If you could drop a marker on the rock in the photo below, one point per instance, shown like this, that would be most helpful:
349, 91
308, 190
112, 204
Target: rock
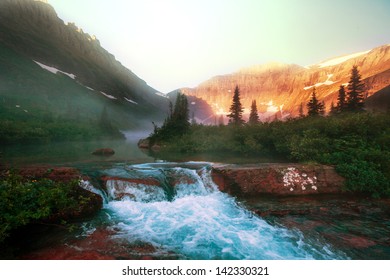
104, 152
277, 179
118, 188
143, 181
144, 143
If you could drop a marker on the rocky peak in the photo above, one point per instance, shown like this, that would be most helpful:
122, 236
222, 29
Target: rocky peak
280, 89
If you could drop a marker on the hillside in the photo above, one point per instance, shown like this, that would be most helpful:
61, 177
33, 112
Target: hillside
281, 88
47, 65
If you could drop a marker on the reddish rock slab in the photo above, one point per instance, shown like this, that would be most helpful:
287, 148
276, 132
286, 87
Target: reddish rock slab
144, 143
277, 179
352, 241
103, 152
143, 181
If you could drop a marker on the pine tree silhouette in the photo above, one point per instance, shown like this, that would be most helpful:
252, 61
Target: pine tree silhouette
341, 100
355, 99
236, 110
314, 106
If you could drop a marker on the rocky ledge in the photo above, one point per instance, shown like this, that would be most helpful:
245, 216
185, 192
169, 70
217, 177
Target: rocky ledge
277, 179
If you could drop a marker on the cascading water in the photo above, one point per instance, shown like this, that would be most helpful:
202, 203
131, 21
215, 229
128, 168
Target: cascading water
180, 210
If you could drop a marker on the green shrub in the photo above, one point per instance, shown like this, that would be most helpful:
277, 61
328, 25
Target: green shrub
27, 201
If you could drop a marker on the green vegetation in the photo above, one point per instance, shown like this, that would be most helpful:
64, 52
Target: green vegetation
25, 201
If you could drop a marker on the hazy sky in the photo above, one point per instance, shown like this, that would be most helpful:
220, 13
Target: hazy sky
177, 43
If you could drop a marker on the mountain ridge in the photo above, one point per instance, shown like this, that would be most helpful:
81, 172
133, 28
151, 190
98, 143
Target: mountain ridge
282, 89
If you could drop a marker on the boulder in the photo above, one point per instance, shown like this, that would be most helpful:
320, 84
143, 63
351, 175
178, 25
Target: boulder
277, 179
104, 152
144, 143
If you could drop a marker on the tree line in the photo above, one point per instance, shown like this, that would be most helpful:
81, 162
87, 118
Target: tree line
347, 101
177, 122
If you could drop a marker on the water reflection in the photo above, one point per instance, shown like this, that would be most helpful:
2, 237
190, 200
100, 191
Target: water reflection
71, 152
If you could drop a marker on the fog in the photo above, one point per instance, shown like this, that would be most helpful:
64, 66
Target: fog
133, 136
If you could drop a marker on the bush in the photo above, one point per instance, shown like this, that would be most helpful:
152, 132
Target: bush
26, 201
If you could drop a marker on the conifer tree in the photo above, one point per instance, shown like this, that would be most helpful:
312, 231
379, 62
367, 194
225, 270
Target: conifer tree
314, 106
355, 102
341, 100
254, 116
236, 110
177, 122
180, 115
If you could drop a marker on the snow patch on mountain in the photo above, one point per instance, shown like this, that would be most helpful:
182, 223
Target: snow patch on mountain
131, 101
328, 82
107, 95
271, 107
338, 60
161, 94
55, 70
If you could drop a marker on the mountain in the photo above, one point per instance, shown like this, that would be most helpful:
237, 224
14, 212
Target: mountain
48, 65
279, 89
